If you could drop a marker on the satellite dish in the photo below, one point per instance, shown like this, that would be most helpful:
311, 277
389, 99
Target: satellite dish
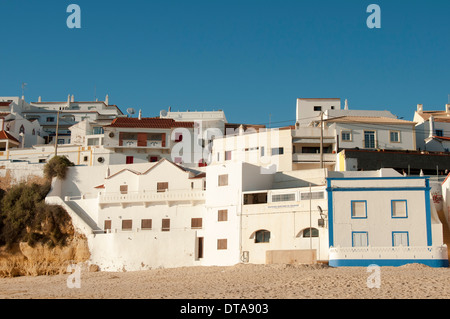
131, 111
163, 113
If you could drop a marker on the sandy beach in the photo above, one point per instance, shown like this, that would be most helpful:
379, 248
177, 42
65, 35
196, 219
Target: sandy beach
244, 281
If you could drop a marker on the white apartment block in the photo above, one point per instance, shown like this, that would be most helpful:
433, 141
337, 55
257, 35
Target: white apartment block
432, 129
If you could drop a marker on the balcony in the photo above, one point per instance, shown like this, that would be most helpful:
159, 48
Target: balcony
148, 197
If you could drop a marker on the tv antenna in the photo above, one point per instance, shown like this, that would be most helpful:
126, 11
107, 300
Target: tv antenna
131, 111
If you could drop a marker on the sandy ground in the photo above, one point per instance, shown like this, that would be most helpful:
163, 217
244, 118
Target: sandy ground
243, 281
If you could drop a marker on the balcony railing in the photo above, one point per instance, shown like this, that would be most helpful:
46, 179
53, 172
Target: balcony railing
148, 197
313, 157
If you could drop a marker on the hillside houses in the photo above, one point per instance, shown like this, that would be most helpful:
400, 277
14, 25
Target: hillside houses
189, 188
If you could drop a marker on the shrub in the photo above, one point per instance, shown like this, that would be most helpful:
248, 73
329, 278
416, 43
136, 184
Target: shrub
26, 217
57, 167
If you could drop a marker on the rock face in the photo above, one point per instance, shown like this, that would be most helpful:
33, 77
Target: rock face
43, 260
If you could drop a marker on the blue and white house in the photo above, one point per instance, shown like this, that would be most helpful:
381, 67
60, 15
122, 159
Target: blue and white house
386, 220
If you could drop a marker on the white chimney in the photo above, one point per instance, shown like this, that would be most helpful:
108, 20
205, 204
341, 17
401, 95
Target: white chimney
431, 123
447, 109
39, 99
107, 99
346, 105
140, 114
419, 108
72, 99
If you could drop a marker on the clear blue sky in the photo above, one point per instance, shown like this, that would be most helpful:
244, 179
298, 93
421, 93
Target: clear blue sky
250, 58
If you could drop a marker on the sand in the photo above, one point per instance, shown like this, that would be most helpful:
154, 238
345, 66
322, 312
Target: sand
244, 281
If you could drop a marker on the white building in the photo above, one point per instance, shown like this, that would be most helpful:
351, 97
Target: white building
138, 216
433, 129
389, 220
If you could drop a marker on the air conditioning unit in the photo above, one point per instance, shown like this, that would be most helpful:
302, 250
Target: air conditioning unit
321, 222
111, 134
100, 159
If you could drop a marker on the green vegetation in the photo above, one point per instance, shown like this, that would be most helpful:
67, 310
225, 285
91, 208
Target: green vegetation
25, 217
57, 167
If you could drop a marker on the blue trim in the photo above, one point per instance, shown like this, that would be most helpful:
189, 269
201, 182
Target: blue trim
360, 232
330, 214
351, 206
377, 189
392, 207
375, 178
400, 232
428, 213
387, 262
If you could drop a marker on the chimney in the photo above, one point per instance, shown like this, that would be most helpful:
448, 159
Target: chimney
72, 99
68, 99
346, 105
420, 108
140, 114
431, 120
39, 99
447, 109
107, 99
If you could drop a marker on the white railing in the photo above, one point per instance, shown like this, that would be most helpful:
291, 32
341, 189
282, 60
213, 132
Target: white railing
398, 252
151, 196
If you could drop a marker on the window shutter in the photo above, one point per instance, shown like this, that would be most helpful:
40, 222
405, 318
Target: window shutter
146, 224
162, 186
163, 140
107, 225
127, 224
142, 139
196, 223
222, 215
165, 224
221, 244
123, 189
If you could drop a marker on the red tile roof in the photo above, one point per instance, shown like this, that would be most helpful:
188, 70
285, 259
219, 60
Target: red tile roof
6, 136
148, 122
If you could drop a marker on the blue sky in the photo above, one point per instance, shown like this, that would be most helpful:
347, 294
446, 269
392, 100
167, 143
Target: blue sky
251, 58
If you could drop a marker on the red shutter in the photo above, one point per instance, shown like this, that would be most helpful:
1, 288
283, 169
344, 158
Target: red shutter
120, 138
163, 140
142, 139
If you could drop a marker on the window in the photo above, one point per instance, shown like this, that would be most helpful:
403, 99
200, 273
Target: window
360, 239
262, 150
399, 209
153, 159
222, 215
85, 158
127, 224
439, 132
255, 198
359, 208
346, 136
196, 223
221, 244
394, 136
262, 236
310, 232
400, 238
60, 141
107, 225
199, 247
277, 151
146, 224
312, 195
124, 189
129, 160
317, 108
50, 119
223, 180
228, 155
165, 224
283, 198
42, 160
369, 139
98, 130
162, 186
22, 129
93, 141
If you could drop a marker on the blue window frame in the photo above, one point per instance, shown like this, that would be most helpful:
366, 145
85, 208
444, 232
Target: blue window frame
400, 238
360, 239
399, 208
359, 209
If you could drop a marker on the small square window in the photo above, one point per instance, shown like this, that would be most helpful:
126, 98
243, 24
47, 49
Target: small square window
439, 132
399, 209
394, 136
359, 208
223, 180
221, 244
346, 136
146, 224
222, 215
277, 151
360, 239
317, 108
